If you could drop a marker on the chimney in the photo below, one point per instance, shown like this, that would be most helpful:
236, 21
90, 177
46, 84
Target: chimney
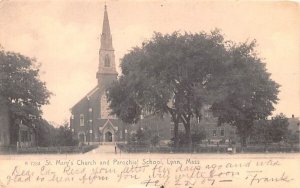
293, 116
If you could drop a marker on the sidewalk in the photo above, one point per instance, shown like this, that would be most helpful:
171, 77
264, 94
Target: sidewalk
107, 149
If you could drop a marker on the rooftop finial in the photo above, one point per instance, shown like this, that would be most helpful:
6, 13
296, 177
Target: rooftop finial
105, 5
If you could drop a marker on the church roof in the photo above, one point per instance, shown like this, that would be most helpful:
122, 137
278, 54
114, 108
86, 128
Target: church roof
92, 92
107, 124
87, 96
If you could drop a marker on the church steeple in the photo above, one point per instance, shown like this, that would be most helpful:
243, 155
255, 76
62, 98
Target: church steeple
107, 69
106, 39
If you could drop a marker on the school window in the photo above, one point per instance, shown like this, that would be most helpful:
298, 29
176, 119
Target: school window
222, 132
214, 132
81, 120
172, 130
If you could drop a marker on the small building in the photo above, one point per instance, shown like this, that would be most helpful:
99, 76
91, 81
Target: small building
4, 124
26, 137
294, 124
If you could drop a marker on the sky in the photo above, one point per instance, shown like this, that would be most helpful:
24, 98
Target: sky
64, 36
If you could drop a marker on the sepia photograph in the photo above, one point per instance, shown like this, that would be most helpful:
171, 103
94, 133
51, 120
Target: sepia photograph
152, 93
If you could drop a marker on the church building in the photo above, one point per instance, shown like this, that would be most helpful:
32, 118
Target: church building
91, 121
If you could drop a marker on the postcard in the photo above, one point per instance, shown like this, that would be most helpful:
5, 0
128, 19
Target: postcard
151, 93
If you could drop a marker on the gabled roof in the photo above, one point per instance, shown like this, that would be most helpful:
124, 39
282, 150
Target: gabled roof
88, 95
108, 122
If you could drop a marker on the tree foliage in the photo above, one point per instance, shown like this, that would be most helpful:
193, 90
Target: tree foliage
270, 131
64, 136
21, 87
178, 73
47, 135
249, 92
169, 74
144, 137
279, 126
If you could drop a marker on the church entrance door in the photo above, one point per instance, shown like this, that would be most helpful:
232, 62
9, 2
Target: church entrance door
108, 136
81, 137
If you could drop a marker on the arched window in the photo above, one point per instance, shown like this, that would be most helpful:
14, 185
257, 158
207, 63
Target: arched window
81, 119
106, 61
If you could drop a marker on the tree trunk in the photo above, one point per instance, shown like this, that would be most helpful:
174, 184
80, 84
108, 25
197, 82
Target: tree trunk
265, 146
5, 122
36, 142
176, 138
188, 135
14, 132
244, 130
243, 142
175, 118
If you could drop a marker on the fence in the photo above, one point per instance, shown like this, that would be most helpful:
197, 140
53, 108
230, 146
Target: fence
207, 149
8, 149
57, 149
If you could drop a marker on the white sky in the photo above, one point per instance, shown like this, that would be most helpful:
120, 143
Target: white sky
64, 37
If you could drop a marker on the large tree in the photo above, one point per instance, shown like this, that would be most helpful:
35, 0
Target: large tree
21, 89
179, 73
249, 92
172, 74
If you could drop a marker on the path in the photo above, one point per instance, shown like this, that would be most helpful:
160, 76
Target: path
106, 148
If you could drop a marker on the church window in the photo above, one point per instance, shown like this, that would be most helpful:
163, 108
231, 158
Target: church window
81, 120
106, 61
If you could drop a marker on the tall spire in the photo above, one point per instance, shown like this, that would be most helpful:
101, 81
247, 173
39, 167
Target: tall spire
107, 68
106, 39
